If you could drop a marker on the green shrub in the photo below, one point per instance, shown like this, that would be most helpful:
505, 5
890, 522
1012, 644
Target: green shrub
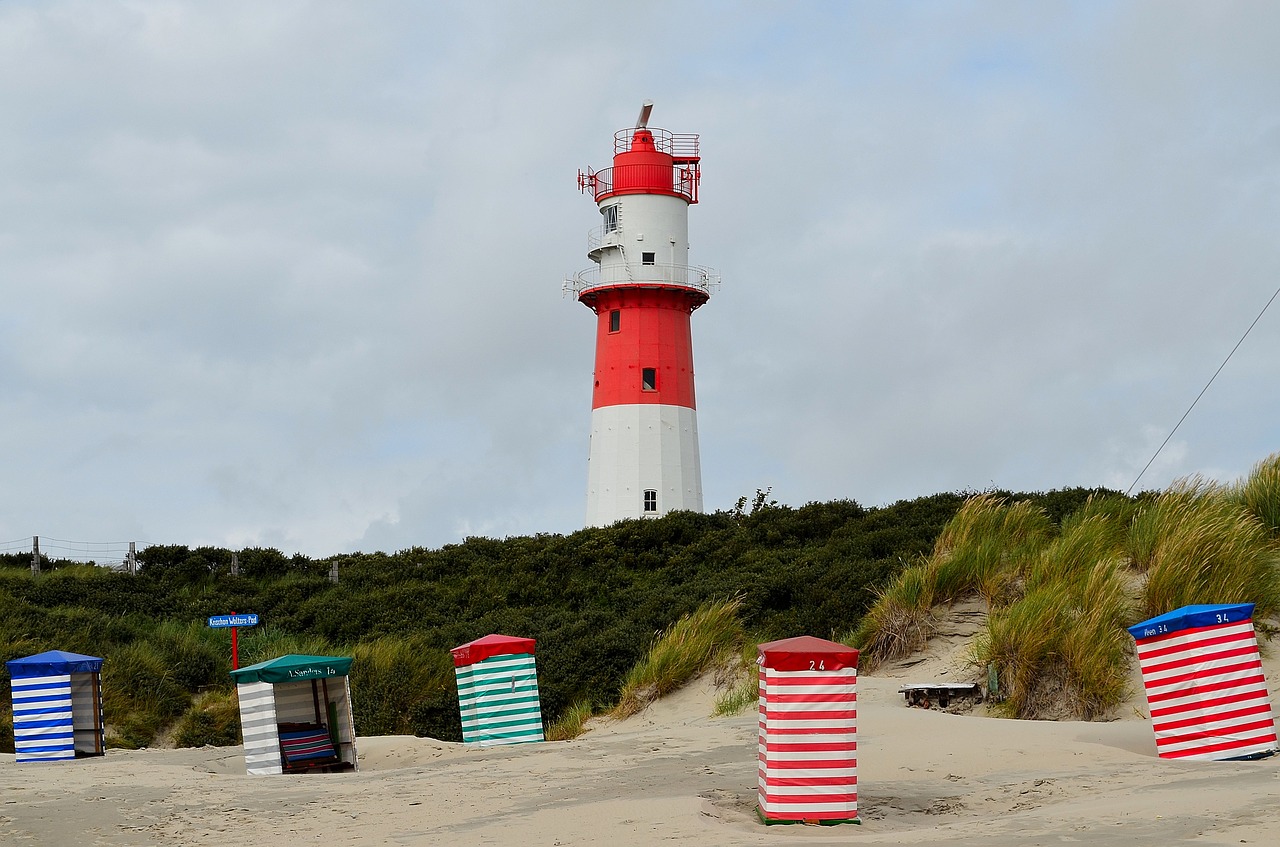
6, 730
213, 719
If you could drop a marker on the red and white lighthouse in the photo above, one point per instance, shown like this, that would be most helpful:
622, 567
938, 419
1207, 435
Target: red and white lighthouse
643, 460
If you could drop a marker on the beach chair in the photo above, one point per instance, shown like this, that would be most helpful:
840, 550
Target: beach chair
306, 747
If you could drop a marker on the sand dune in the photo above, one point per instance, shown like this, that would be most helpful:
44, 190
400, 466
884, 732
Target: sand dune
672, 773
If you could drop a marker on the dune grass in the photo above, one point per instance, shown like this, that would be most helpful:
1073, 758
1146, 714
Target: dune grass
1259, 492
260, 643
982, 551
213, 718
571, 723
901, 619
1208, 548
695, 643
403, 683
1059, 602
746, 690
984, 546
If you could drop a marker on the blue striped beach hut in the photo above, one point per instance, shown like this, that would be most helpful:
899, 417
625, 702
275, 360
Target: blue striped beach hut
57, 706
498, 691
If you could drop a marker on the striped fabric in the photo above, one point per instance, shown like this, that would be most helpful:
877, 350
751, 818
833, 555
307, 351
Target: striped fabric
258, 727
499, 701
1205, 688
42, 719
301, 745
808, 745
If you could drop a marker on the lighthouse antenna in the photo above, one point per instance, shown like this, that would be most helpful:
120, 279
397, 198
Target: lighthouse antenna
645, 108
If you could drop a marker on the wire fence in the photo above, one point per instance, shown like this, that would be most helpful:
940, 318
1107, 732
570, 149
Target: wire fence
113, 555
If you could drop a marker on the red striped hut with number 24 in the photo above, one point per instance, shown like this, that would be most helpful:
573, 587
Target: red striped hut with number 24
808, 732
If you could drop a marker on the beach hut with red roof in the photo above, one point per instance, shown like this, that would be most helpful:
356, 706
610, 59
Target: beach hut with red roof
808, 732
498, 691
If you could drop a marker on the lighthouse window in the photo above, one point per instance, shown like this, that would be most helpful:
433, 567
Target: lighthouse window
615, 320
649, 379
650, 500
610, 217
647, 258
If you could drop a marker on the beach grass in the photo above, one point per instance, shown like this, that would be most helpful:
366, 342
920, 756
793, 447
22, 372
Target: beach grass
695, 643
1210, 549
214, 718
741, 682
985, 544
982, 550
571, 723
1259, 492
901, 619
403, 684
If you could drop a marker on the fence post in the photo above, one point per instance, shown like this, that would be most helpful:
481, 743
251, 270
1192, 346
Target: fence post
35, 555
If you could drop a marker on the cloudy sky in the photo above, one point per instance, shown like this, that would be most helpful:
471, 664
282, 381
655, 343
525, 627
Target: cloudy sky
289, 274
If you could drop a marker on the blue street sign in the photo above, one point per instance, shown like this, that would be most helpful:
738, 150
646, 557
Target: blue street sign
233, 620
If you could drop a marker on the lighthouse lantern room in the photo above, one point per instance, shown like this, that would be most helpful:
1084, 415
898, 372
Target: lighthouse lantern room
643, 460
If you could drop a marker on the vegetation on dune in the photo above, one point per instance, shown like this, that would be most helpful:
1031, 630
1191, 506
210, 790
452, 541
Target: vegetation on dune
1060, 592
592, 599
693, 645
1061, 572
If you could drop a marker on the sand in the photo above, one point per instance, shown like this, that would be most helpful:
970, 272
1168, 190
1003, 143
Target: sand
673, 773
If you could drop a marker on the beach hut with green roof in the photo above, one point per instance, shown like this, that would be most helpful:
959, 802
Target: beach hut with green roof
296, 716
498, 691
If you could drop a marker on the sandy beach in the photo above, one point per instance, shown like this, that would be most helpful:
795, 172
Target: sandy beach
676, 773
673, 773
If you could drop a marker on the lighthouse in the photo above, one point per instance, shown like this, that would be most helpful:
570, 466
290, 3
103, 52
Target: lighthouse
643, 459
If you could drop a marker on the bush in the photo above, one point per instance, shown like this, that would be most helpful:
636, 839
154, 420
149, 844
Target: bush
213, 719
6, 731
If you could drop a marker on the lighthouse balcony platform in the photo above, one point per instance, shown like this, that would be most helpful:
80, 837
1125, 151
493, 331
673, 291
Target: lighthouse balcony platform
693, 277
600, 239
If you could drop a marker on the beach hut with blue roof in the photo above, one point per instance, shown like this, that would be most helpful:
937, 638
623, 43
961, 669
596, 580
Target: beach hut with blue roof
1205, 687
57, 706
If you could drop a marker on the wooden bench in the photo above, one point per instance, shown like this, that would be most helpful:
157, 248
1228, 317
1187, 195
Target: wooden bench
929, 694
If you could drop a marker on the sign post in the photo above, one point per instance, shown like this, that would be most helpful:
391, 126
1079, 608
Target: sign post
233, 621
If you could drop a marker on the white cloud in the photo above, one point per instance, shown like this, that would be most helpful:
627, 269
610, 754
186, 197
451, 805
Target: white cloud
288, 274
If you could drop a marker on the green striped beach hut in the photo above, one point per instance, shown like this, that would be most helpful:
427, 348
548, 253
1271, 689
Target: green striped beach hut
498, 691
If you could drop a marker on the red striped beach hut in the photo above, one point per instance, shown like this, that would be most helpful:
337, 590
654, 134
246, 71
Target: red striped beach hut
808, 732
1205, 689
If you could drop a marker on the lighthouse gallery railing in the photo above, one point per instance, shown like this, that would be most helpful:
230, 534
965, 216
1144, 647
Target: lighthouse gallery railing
701, 278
